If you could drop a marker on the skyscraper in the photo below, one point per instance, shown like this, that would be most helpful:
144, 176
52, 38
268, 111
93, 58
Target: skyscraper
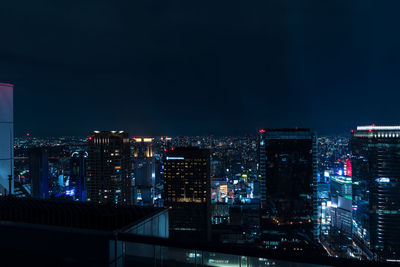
6, 138
288, 177
78, 174
187, 192
144, 168
376, 188
341, 207
108, 171
39, 172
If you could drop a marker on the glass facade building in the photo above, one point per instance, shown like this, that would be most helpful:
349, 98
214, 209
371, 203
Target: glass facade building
78, 174
144, 169
108, 167
187, 192
376, 188
288, 176
39, 172
341, 203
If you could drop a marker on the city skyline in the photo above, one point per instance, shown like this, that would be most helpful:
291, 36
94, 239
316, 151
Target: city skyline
211, 133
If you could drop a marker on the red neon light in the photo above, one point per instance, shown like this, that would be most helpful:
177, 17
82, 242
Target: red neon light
349, 168
90, 138
262, 131
28, 134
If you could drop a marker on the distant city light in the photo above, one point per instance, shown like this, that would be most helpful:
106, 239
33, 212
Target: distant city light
70, 192
175, 158
383, 180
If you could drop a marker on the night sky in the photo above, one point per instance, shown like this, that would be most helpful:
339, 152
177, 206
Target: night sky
200, 67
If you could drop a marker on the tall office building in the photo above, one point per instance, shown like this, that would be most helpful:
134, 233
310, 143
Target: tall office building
144, 165
6, 138
39, 172
288, 177
341, 203
144, 169
77, 175
108, 167
187, 192
376, 188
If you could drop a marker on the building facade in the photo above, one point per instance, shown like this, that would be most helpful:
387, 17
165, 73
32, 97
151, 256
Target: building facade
376, 188
341, 203
144, 169
288, 163
39, 172
108, 167
6, 138
187, 192
78, 175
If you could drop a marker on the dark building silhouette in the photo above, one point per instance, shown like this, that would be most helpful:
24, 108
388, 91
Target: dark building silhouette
78, 175
37, 232
288, 179
376, 188
108, 171
39, 172
69, 233
187, 192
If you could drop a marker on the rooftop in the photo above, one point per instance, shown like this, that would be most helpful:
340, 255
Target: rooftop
83, 215
374, 127
7, 84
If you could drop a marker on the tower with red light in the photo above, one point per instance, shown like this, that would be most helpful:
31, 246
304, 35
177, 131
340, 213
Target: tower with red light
375, 171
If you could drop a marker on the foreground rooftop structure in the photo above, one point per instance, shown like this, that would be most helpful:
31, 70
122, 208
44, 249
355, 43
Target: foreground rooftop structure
58, 233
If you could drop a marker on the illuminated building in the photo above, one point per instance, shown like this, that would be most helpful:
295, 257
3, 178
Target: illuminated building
166, 144
187, 192
223, 192
39, 172
324, 214
348, 171
288, 177
108, 170
341, 186
6, 138
341, 203
376, 188
143, 147
144, 168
